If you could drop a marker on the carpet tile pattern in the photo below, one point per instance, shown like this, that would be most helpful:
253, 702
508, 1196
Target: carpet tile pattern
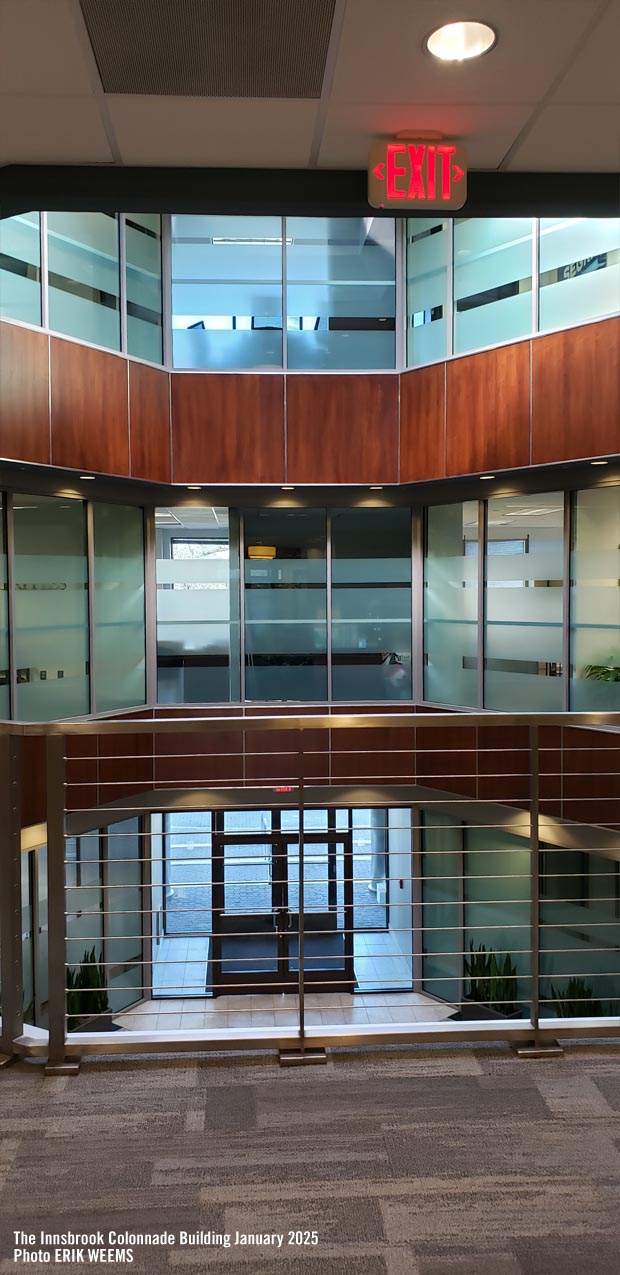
406, 1161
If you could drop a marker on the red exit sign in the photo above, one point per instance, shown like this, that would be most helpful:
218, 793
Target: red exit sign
417, 174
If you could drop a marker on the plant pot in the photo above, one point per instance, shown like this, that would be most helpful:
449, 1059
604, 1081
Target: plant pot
476, 1012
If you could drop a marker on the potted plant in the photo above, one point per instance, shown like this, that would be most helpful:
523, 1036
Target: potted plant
576, 1000
603, 672
87, 997
492, 984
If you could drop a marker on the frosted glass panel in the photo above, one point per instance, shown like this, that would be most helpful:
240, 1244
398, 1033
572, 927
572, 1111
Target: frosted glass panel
524, 570
20, 268
340, 292
226, 291
50, 608
579, 269
595, 600
451, 604
492, 281
371, 604
497, 904
198, 650
442, 868
285, 605
5, 709
84, 276
143, 277
427, 289
119, 607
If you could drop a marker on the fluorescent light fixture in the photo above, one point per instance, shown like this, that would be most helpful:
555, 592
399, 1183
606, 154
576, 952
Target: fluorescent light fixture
599, 462
485, 478
87, 478
194, 487
460, 41
376, 487
287, 488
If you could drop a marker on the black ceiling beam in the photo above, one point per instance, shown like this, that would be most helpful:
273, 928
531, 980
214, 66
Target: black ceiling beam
296, 192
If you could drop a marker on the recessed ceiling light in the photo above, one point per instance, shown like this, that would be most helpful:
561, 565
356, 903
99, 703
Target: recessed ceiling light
599, 462
376, 487
459, 41
87, 478
485, 478
288, 488
194, 487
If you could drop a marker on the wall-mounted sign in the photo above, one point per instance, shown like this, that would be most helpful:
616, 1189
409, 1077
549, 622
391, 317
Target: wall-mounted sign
417, 174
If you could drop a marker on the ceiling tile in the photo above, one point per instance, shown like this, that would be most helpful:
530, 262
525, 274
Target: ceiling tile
571, 139
486, 135
595, 75
381, 55
40, 50
52, 130
213, 132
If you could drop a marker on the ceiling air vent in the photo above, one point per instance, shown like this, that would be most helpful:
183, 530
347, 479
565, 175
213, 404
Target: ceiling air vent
210, 48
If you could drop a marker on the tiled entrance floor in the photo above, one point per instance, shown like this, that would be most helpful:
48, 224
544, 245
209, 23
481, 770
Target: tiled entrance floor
322, 1009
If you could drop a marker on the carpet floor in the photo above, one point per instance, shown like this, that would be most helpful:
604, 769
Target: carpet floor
403, 1161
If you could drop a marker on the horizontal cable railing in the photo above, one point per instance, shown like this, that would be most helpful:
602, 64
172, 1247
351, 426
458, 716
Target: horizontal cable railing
318, 879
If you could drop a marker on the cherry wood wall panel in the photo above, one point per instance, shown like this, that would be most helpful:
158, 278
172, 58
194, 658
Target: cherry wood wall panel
90, 409
24, 395
576, 393
488, 410
422, 424
149, 423
342, 429
227, 428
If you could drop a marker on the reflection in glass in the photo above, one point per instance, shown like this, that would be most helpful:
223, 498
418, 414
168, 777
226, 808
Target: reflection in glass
285, 605
20, 268
524, 573
84, 283
50, 608
226, 291
120, 657
341, 292
451, 604
428, 240
143, 281
595, 600
198, 630
371, 604
492, 280
579, 269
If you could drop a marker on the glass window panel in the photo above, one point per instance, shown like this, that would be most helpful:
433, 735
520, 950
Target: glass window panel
451, 604
523, 640
20, 268
226, 292
579, 269
497, 905
595, 601
371, 604
285, 605
492, 281
5, 701
144, 289
84, 901
28, 949
120, 657
50, 608
442, 867
42, 938
341, 292
428, 240
198, 627
123, 946
84, 276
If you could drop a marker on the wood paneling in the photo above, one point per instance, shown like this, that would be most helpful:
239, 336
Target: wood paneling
227, 428
488, 410
342, 429
33, 785
24, 395
90, 417
576, 393
149, 423
422, 424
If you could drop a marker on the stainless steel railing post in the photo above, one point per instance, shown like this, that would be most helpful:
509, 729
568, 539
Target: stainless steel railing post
302, 1024
535, 879
56, 957
10, 896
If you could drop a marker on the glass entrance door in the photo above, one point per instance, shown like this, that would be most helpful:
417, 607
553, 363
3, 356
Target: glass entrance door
256, 912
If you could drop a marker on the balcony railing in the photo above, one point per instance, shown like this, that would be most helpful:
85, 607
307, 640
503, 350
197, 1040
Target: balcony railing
295, 882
